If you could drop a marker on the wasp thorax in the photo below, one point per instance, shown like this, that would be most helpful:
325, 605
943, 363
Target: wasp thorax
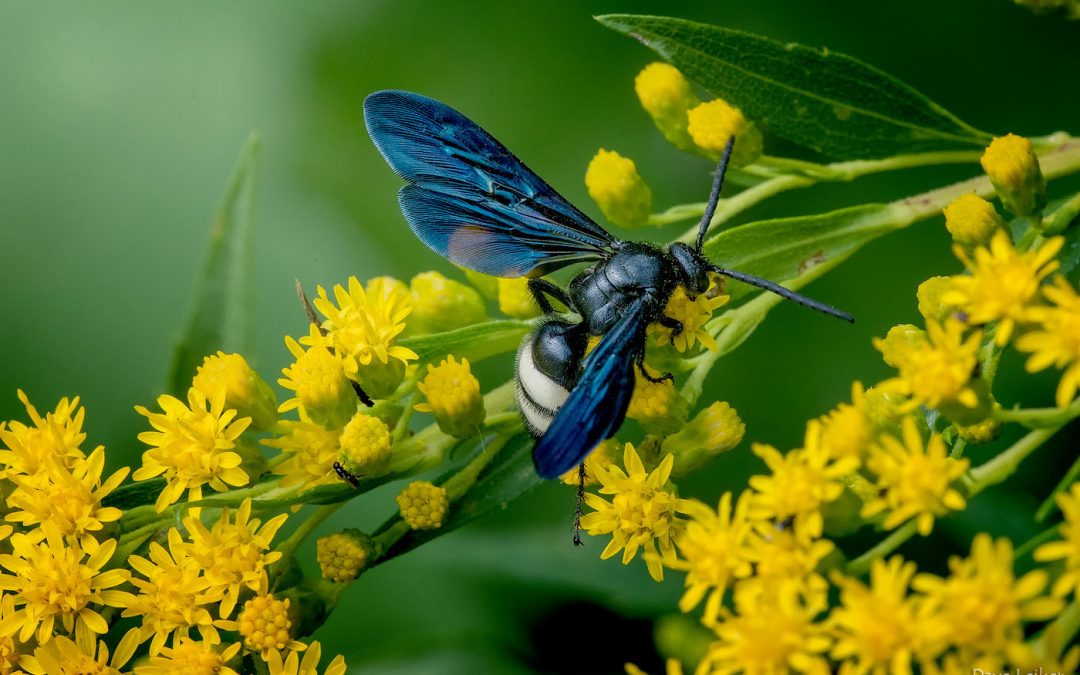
691, 267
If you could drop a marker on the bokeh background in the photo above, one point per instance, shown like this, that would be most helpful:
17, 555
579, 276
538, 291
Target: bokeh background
120, 122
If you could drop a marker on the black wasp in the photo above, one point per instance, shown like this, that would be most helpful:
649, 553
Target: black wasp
476, 204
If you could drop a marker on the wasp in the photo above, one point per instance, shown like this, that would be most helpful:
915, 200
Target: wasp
474, 203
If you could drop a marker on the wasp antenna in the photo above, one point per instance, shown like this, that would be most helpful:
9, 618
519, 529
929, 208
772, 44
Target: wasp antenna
714, 193
785, 293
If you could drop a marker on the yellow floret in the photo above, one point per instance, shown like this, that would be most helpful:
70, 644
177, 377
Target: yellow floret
666, 95
971, 220
1013, 168
516, 300
342, 556
264, 624
714, 430
442, 304
365, 446
712, 125
453, 396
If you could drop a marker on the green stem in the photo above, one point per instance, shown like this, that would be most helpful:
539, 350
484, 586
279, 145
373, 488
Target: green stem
845, 171
1038, 418
1058, 221
1049, 505
1033, 543
402, 426
729, 208
289, 546
460, 482
861, 565
677, 213
1005, 464
1051, 642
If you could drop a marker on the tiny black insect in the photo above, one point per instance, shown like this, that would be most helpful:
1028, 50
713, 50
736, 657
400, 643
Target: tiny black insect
473, 202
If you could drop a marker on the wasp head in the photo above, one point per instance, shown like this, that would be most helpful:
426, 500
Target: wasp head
691, 268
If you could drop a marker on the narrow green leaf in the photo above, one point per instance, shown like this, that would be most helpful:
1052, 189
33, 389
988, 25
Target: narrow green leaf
220, 316
817, 98
476, 342
787, 248
131, 495
508, 476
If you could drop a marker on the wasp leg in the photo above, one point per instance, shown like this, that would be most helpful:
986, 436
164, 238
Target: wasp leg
639, 360
579, 505
542, 289
674, 324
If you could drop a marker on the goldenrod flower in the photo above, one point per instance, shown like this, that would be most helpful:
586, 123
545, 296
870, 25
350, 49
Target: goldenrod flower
342, 556
308, 453
982, 603
914, 481
235, 553
972, 221
602, 455
641, 513
363, 325
656, 405
190, 657
929, 296
10, 657
264, 625
1013, 168
936, 371
245, 391
318, 377
68, 498
54, 581
1054, 339
62, 656
713, 431
172, 597
980, 432
615, 185
423, 505
666, 95
192, 447
782, 554
885, 408
712, 124
292, 665
900, 343
847, 430
1066, 549
365, 446
712, 551
441, 304
693, 314
453, 396
800, 483
770, 631
515, 298
1003, 282
59, 435
879, 628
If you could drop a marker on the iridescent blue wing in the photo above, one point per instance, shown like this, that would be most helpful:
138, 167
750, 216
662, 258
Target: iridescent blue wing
470, 199
597, 404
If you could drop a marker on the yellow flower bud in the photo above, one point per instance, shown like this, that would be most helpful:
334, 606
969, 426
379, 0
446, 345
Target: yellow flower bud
453, 396
980, 432
318, 377
365, 446
1013, 168
901, 340
616, 187
666, 96
712, 125
264, 624
972, 221
929, 296
245, 391
656, 405
441, 304
516, 300
381, 380
884, 408
601, 456
713, 431
485, 283
423, 505
342, 556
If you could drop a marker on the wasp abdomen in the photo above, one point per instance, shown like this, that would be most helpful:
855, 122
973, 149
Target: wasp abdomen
548, 363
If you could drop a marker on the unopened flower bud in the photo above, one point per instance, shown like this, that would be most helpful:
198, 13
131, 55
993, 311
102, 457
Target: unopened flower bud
441, 304
898, 344
1013, 168
365, 446
656, 405
972, 221
980, 432
485, 283
381, 380
453, 397
616, 187
423, 505
712, 125
342, 556
929, 295
666, 95
245, 391
516, 300
713, 431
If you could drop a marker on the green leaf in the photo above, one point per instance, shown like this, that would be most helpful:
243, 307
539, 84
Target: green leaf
220, 317
785, 249
817, 98
130, 495
476, 342
508, 476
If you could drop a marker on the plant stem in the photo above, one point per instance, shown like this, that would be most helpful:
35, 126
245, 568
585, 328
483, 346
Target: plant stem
1049, 644
1049, 504
1037, 418
1031, 544
289, 546
861, 565
1005, 464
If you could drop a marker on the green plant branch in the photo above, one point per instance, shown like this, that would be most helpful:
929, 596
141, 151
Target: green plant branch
1039, 418
1049, 505
1005, 464
306, 527
1033, 543
861, 565
1055, 637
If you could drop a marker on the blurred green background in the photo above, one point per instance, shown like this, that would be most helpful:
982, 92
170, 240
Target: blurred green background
121, 122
